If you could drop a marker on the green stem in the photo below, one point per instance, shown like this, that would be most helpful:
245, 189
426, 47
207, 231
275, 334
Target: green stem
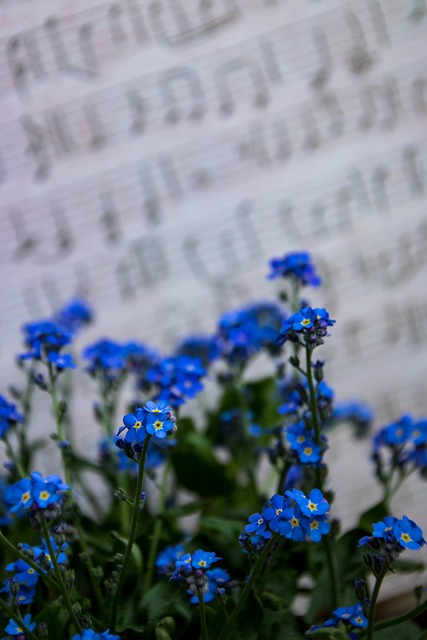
373, 603
91, 569
332, 571
132, 533
59, 426
250, 583
16, 552
202, 615
13, 457
157, 528
269, 565
313, 403
17, 618
58, 575
391, 622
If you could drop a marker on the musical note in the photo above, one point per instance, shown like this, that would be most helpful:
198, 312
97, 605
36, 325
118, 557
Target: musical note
379, 183
26, 240
226, 77
37, 145
247, 230
59, 50
324, 71
414, 171
419, 95
151, 203
62, 138
110, 217
359, 59
97, 129
187, 79
138, 108
115, 22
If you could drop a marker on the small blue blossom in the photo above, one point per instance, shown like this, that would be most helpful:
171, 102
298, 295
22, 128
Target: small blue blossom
158, 427
36, 492
293, 524
166, 559
408, 534
9, 416
74, 315
296, 266
314, 505
203, 559
13, 629
257, 525
308, 324
90, 634
135, 423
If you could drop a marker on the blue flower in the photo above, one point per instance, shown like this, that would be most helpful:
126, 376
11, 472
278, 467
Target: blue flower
297, 266
257, 525
273, 511
135, 423
384, 529
293, 525
44, 338
203, 559
9, 416
36, 492
314, 505
74, 315
106, 357
158, 427
205, 348
308, 324
166, 559
157, 407
61, 360
14, 629
90, 634
318, 526
408, 534
309, 452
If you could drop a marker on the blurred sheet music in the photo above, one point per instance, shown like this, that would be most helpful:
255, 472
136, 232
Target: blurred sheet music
155, 155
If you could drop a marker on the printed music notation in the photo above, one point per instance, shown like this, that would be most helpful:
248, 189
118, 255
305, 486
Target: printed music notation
148, 145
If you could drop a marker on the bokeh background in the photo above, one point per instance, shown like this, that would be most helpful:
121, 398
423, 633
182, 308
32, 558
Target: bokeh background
155, 154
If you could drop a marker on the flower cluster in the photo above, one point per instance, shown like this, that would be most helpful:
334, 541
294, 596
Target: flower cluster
293, 515
302, 442
176, 378
90, 634
44, 340
35, 493
244, 332
74, 315
9, 416
307, 325
391, 536
205, 348
22, 585
297, 266
350, 618
406, 443
193, 573
153, 419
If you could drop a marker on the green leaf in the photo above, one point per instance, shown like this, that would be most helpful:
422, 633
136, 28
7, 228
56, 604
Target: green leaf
372, 515
185, 509
408, 566
403, 631
165, 599
134, 568
328, 634
55, 617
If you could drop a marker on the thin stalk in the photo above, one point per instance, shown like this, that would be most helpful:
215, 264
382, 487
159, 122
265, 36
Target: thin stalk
23, 427
269, 566
59, 425
250, 583
332, 571
17, 618
91, 569
14, 551
202, 615
157, 528
13, 457
374, 598
391, 622
58, 575
313, 404
132, 533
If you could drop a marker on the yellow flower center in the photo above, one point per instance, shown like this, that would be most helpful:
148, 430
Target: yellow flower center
314, 524
305, 322
158, 425
278, 511
405, 537
312, 506
43, 495
202, 563
25, 496
294, 522
138, 424
30, 571
308, 451
300, 439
